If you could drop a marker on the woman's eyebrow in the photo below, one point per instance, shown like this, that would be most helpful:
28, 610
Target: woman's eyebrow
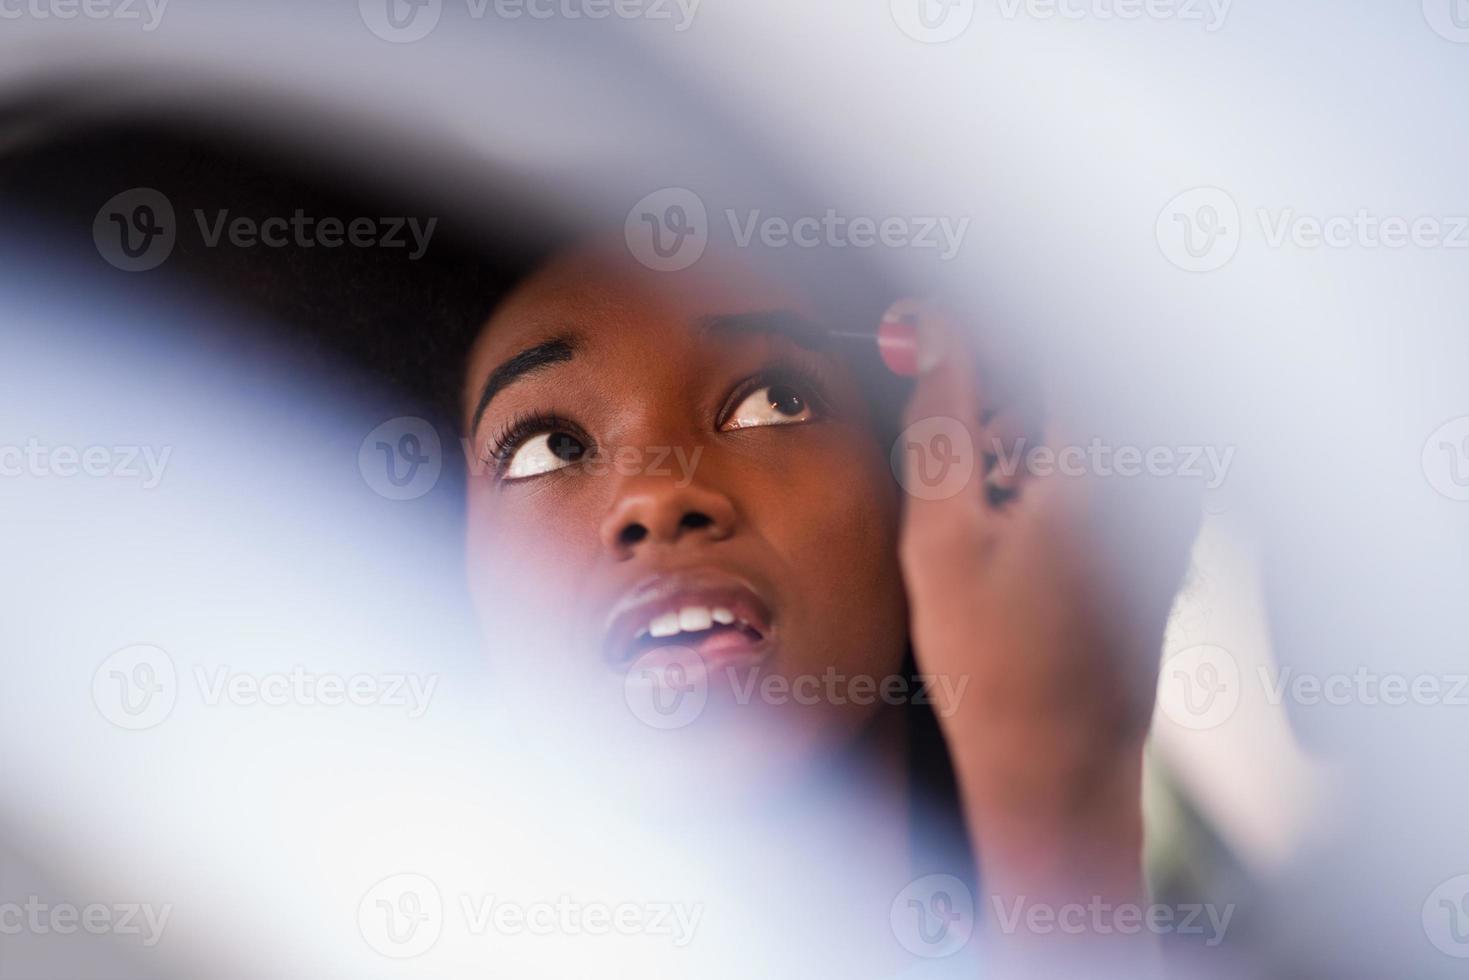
785, 323
544, 354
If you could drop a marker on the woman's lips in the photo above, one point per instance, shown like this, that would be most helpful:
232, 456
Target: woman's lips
715, 614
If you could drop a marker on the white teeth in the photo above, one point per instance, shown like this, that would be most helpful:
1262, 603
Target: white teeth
665, 625
689, 619
694, 619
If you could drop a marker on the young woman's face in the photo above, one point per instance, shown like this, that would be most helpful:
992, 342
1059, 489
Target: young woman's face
661, 470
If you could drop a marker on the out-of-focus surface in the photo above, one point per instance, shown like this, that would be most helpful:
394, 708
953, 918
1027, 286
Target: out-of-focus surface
1245, 224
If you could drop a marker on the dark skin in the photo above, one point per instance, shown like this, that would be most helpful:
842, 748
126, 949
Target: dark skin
652, 379
795, 496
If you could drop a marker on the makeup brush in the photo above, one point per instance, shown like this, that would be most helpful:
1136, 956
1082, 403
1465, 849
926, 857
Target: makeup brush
896, 338
897, 343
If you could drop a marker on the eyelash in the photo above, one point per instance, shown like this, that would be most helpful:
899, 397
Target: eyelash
521, 428
803, 377
515, 433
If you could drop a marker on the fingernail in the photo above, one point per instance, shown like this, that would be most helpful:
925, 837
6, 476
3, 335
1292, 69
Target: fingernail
911, 338
932, 346
897, 343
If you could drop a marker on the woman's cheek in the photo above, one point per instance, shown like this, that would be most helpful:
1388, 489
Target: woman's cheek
532, 554
852, 509
833, 516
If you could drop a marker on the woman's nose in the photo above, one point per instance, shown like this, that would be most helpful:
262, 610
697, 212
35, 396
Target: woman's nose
650, 512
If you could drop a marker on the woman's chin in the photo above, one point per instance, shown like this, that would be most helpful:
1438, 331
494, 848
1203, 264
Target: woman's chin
713, 753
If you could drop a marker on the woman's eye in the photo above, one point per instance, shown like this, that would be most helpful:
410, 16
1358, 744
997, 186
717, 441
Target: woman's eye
543, 453
777, 404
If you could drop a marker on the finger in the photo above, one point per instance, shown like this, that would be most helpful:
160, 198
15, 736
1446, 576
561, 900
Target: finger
1060, 485
940, 467
946, 359
1008, 437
